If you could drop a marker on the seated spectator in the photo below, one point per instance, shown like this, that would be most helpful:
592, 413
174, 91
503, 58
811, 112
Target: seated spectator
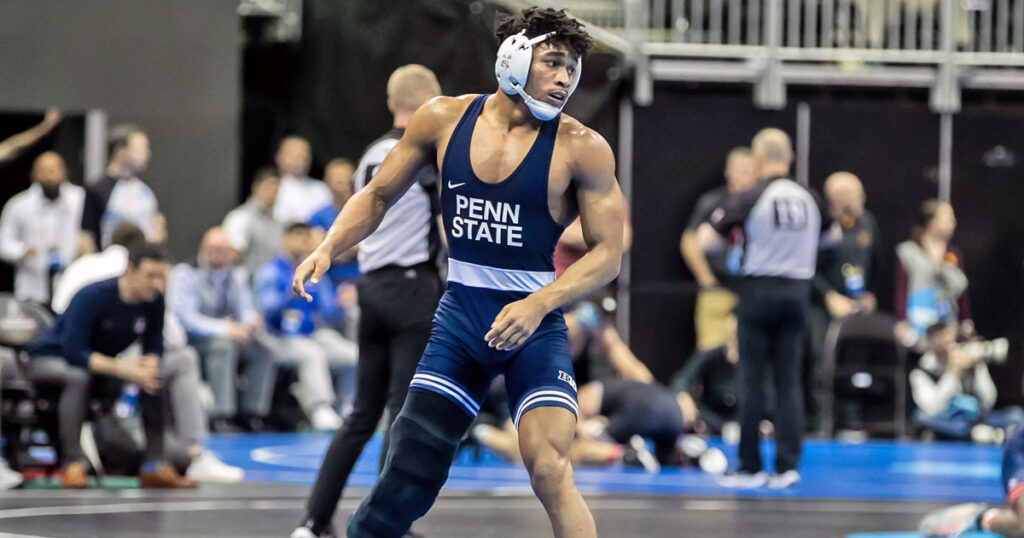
251, 227
179, 367
707, 389
344, 269
120, 195
79, 353
214, 303
844, 278
930, 282
300, 195
338, 177
598, 352
954, 391
39, 229
715, 301
301, 333
13, 145
9, 478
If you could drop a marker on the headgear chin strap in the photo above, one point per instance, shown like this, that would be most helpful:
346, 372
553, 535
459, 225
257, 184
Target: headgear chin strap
513, 67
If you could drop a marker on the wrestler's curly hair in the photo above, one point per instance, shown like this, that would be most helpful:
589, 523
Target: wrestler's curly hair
538, 21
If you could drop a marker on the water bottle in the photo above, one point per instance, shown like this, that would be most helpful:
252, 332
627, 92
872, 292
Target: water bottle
128, 401
291, 322
854, 278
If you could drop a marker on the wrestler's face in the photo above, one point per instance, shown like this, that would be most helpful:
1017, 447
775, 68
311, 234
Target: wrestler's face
552, 73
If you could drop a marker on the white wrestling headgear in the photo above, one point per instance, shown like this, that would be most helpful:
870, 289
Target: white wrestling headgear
513, 67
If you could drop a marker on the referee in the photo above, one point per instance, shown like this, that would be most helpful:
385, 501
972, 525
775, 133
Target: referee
398, 294
780, 224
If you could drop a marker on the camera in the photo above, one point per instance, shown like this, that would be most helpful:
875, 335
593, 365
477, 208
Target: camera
991, 351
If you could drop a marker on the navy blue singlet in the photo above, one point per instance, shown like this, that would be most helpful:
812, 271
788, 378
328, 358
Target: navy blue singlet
501, 240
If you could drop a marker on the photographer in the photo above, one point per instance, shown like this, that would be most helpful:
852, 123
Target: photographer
954, 391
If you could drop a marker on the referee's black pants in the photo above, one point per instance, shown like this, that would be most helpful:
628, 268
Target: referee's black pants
772, 317
397, 307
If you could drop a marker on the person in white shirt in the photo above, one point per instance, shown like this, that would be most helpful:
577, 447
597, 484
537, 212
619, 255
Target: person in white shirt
300, 196
179, 367
120, 195
954, 391
39, 228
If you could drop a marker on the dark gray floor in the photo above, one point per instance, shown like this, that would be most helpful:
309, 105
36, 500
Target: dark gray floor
271, 510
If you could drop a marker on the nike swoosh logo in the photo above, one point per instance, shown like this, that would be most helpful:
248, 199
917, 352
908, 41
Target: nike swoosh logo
455, 185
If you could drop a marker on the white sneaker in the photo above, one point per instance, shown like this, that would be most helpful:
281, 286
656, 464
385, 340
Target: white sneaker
208, 468
642, 455
784, 480
9, 478
743, 480
324, 418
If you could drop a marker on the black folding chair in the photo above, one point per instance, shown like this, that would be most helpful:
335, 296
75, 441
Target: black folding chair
864, 368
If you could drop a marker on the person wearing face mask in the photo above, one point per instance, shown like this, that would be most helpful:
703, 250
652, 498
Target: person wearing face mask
39, 227
120, 195
213, 301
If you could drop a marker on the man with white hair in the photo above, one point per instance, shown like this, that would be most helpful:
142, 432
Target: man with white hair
781, 222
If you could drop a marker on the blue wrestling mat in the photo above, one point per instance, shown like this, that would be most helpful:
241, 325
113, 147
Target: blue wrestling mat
876, 470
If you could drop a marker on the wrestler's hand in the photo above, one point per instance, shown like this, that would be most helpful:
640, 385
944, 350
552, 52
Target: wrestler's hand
312, 268
514, 324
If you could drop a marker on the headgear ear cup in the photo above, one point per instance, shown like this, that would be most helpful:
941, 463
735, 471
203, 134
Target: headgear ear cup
512, 68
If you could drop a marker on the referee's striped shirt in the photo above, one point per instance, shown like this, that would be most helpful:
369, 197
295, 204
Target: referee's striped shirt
781, 223
407, 235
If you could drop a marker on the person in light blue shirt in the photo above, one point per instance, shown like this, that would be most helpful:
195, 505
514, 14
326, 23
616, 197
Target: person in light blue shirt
214, 303
300, 332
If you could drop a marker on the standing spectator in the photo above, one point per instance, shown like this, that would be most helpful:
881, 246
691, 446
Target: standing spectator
844, 279
179, 366
300, 195
251, 227
715, 301
39, 229
339, 179
301, 332
120, 195
398, 294
781, 223
79, 352
214, 303
930, 282
953, 389
13, 145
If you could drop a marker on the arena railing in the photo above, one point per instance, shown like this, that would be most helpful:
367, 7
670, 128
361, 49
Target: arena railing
944, 45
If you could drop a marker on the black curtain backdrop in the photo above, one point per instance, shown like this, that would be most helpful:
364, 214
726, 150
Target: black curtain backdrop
889, 139
331, 87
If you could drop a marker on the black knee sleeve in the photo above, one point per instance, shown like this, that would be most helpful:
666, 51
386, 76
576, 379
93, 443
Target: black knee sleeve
424, 440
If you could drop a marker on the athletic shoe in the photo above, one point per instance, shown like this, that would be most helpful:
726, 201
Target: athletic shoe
784, 480
324, 418
312, 530
953, 521
635, 454
9, 478
208, 468
741, 480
